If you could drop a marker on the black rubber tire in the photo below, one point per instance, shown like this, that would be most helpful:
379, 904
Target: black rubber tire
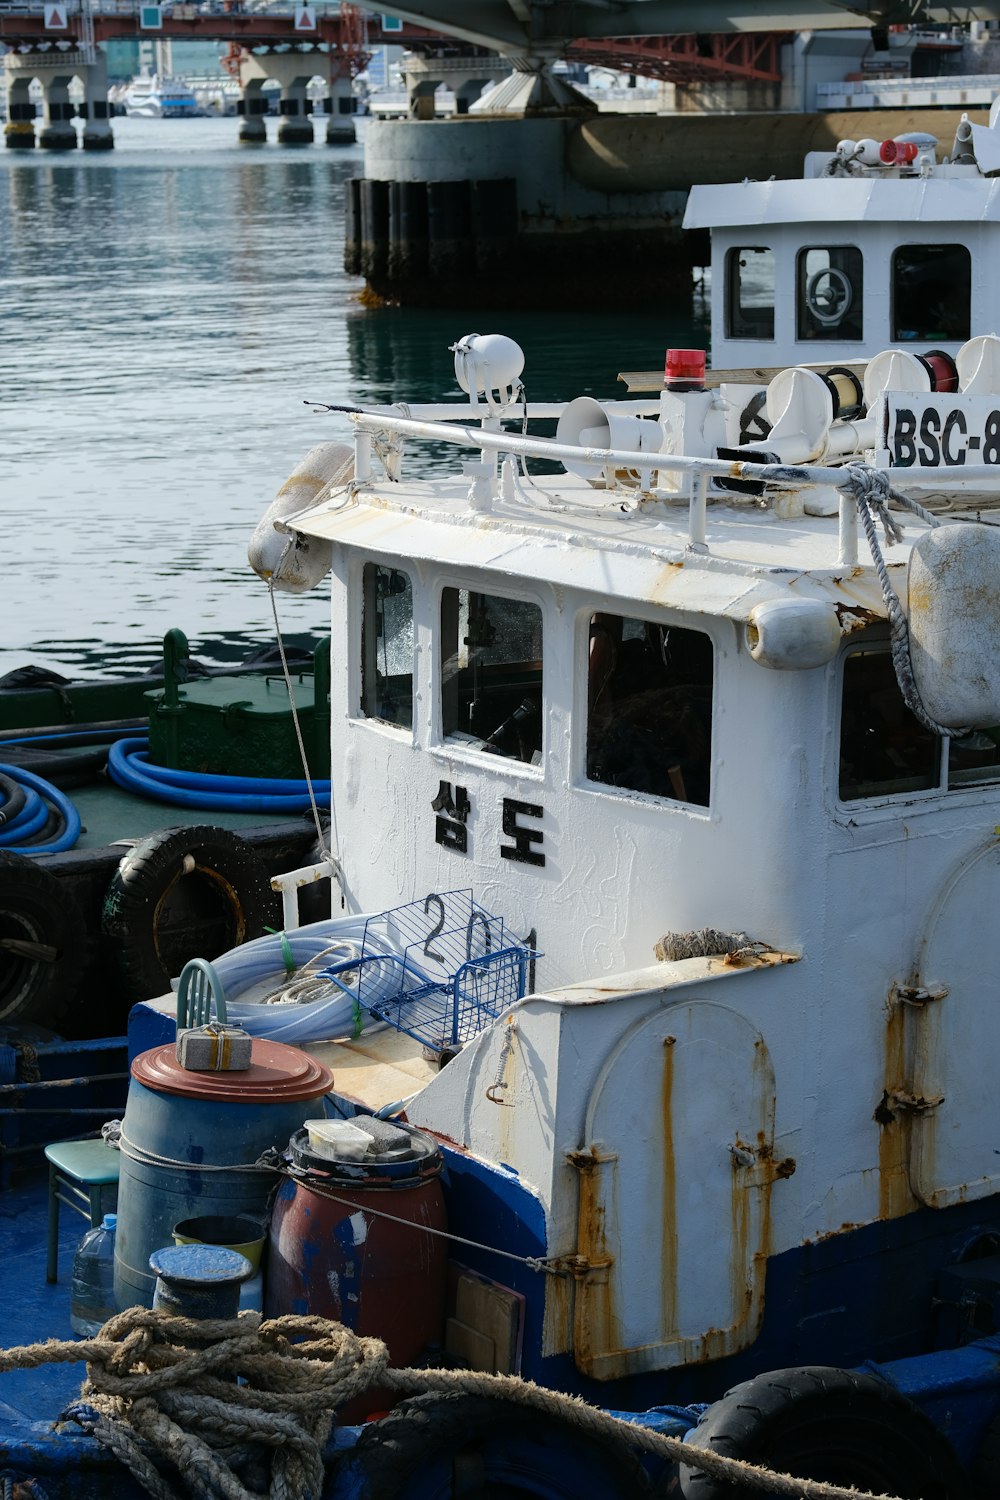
159, 910
818, 1422
37, 908
486, 1449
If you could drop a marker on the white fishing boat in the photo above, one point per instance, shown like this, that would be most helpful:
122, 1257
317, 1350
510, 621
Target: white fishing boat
155, 97
663, 854
881, 243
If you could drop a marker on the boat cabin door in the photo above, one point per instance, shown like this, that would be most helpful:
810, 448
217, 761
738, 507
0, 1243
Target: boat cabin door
674, 1189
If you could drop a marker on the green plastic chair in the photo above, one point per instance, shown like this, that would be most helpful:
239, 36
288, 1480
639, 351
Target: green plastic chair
84, 1176
198, 992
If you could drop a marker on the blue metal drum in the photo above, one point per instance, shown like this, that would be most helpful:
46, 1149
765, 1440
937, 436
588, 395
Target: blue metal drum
190, 1141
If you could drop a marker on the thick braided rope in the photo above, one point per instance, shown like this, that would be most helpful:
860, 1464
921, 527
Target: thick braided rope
151, 1395
148, 1395
871, 491
590, 1419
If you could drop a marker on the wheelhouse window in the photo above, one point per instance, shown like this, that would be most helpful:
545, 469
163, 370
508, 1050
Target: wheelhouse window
931, 293
491, 673
750, 293
829, 292
884, 749
387, 645
649, 718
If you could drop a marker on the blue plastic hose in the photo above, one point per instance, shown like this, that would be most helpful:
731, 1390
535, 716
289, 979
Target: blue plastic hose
34, 814
130, 767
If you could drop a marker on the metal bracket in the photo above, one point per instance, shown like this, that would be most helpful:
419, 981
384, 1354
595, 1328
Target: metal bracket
914, 1104
918, 994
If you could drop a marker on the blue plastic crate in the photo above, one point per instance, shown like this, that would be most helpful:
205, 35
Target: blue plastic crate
440, 969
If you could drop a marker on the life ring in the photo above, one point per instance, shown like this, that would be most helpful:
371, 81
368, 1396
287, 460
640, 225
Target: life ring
833, 307
42, 941
436, 1446
183, 893
818, 1422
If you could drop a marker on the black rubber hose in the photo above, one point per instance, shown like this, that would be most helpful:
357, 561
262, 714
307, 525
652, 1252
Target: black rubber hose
14, 798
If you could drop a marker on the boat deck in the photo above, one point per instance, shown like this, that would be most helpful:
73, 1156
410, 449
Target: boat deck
112, 815
31, 1309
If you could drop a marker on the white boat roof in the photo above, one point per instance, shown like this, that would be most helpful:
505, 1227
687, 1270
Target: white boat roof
826, 200
752, 556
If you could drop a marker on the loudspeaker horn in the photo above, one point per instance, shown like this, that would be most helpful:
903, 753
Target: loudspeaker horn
585, 423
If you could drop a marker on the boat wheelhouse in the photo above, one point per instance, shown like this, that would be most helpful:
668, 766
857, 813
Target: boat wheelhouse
880, 244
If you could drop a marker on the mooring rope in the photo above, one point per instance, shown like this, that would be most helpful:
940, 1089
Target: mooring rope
154, 1391
871, 491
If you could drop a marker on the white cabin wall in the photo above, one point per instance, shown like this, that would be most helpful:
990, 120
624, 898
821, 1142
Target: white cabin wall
620, 869
878, 242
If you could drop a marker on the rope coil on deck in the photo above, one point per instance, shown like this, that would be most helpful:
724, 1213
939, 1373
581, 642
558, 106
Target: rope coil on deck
154, 1391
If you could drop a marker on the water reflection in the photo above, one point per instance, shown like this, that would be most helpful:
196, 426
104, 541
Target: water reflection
168, 310
395, 351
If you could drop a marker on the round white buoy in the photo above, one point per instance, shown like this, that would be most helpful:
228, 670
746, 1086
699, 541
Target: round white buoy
292, 561
954, 613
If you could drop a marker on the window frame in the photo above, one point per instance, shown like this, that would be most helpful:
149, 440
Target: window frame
802, 313
455, 748
357, 713
897, 336
581, 705
733, 305
943, 789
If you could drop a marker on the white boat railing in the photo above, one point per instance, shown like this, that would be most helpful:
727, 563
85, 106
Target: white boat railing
492, 443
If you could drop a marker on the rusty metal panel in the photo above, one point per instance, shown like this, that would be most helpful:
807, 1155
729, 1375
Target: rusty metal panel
675, 1180
950, 1016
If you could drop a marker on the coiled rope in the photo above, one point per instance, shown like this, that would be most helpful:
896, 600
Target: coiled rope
154, 1392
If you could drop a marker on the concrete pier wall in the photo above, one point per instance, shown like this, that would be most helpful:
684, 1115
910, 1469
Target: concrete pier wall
584, 207
562, 235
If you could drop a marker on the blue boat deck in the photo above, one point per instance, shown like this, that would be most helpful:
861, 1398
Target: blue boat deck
30, 1309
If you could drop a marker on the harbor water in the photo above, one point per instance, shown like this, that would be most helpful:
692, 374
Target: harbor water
168, 310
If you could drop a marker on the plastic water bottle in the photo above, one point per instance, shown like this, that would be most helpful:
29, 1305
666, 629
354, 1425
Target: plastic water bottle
92, 1301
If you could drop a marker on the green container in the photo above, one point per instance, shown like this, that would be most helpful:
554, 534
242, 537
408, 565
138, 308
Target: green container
235, 726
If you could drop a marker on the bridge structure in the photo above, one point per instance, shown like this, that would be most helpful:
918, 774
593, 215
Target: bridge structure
289, 42
466, 43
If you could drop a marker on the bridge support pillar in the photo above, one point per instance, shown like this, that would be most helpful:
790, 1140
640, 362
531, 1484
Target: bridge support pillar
296, 128
58, 133
252, 108
341, 104
19, 131
95, 110
467, 77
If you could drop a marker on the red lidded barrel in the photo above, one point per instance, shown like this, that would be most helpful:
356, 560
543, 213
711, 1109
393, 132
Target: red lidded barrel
349, 1241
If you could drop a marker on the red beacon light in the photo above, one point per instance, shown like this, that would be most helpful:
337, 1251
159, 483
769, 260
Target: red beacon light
684, 370
897, 153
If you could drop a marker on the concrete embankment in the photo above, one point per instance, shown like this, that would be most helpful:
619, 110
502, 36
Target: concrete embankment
549, 211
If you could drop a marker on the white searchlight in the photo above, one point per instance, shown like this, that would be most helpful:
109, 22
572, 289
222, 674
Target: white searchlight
489, 364
585, 423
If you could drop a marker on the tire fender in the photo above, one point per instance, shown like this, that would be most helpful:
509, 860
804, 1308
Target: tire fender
436, 1446
183, 893
819, 1422
42, 943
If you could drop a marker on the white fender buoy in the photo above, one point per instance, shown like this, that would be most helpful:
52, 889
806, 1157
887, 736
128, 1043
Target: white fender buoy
292, 561
953, 604
792, 635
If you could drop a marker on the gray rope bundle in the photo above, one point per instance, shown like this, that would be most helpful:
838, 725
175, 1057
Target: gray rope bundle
704, 942
154, 1390
871, 491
